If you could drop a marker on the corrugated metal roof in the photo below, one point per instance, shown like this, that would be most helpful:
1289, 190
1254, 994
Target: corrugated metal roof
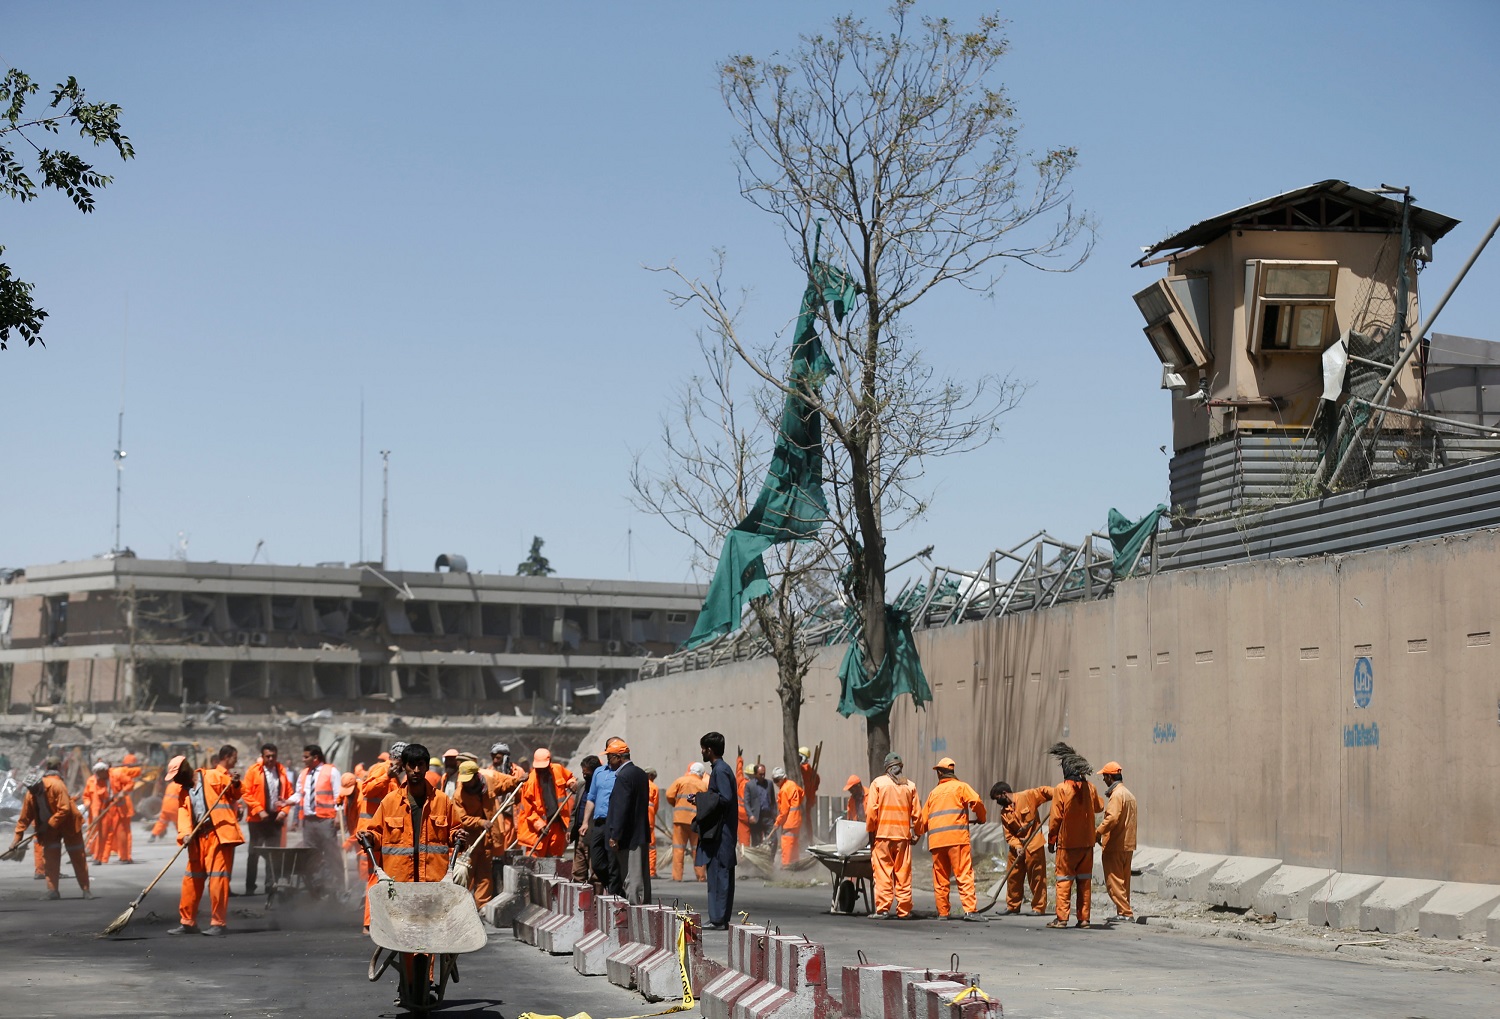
1433, 224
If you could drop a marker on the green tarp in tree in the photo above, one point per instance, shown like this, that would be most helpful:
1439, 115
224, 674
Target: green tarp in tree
791, 504
899, 673
1129, 538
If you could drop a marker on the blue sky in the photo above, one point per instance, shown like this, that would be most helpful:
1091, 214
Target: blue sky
449, 207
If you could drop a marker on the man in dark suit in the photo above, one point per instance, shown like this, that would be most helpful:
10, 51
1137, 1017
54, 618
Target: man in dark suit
718, 817
629, 825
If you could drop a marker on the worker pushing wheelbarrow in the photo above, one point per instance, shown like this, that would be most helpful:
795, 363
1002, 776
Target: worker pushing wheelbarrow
420, 923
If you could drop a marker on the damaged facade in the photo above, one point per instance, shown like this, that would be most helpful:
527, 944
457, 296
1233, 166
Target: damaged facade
138, 634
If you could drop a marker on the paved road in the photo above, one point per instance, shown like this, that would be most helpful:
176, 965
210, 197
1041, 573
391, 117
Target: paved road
51, 964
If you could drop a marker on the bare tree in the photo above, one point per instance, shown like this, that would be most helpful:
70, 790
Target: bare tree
715, 448
895, 147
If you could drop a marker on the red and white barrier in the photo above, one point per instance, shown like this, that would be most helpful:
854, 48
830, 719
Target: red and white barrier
658, 976
635, 945
949, 999
880, 992
611, 921
770, 976
572, 919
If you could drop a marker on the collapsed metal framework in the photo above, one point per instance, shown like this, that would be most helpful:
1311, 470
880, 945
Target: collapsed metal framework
1038, 573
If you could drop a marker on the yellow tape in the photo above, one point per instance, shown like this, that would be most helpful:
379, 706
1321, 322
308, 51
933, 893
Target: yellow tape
688, 1001
972, 991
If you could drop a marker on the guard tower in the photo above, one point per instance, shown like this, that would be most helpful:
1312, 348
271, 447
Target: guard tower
1266, 320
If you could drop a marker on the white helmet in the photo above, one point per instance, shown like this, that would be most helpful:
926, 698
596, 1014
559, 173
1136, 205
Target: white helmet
779, 772
697, 768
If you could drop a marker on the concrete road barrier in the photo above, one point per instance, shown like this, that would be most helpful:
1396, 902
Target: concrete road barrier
880, 992
1146, 868
770, 976
1187, 876
1236, 883
1289, 891
658, 976
1492, 927
1458, 909
635, 945
1337, 903
1395, 903
572, 918
592, 950
541, 895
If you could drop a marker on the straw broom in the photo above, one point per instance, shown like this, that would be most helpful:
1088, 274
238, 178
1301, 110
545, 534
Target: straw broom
118, 923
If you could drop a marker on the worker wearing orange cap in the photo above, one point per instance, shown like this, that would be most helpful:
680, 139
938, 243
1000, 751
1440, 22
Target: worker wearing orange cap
854, 807
99, 798
1070, 833
348, 807
1116, 836
684, 813
47, 805
546, 799
950, 809
893, 816
1024, 834
212, 793
124, 780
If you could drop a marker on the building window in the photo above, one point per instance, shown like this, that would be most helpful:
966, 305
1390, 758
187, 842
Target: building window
1290, 305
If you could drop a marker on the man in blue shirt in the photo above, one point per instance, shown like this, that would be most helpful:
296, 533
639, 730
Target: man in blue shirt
596, 813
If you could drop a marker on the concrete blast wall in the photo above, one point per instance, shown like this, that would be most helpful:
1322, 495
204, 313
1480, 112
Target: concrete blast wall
1338, 712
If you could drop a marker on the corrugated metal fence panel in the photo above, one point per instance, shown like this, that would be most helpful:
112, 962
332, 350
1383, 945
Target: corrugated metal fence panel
1425, 505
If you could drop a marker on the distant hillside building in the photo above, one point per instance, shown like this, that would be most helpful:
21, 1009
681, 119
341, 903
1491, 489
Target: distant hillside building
127, 633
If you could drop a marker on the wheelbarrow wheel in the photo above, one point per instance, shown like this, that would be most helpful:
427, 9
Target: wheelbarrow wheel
848, 895
416, 991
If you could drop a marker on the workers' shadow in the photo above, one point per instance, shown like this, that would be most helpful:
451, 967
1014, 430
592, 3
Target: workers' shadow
457, 1008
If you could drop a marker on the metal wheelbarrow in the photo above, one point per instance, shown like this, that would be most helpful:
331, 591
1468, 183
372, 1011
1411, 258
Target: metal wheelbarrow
853, 878
420, 927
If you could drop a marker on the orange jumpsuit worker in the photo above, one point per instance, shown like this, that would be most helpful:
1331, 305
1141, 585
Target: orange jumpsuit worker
684, 813
478, 805
379, 781
123, 780
546, 805
789, 800
809, 783
653, 807
1070, 833
503, 776
1027, 841
402, 852
739, 793
170, 801
854, 807
894, 820
950, 809
48, 806
99, 797
1116, 835
213, 793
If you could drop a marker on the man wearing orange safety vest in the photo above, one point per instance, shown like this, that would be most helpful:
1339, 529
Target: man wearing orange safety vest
99, 797
267, 792
317, 798
478, 805
894, 819
1116, 836
854, 807
416, 825
214, 794
810, 782
378, 783
1070, 833
950, 809
653, 805
1022, 824
47, 805
546, 800
123, 780
789, 814
684, 813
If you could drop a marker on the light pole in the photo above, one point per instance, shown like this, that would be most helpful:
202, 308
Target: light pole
385, 503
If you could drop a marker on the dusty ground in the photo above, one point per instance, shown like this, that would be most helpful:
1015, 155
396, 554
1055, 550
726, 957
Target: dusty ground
1185, 961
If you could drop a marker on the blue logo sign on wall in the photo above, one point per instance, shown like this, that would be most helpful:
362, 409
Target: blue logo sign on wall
1364, 682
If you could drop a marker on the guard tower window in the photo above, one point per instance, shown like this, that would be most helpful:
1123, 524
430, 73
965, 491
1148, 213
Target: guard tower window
1291, 305
1177, 324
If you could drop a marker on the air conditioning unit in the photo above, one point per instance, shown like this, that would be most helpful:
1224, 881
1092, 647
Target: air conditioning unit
614, 647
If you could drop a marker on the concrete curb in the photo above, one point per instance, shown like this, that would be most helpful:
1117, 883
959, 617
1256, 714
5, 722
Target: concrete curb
1364, 953
1396, 905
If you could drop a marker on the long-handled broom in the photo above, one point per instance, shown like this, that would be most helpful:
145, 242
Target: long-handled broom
531, 849
18, 851
118, 923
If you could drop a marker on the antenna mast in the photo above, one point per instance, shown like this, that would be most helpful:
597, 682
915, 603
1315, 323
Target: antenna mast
361, 474
120, 431
385, 503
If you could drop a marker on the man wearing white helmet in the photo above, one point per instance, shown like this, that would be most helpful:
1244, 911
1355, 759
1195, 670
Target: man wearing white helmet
684, 813
789, 801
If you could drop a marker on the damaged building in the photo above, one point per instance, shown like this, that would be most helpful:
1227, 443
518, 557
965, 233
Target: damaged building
139, 634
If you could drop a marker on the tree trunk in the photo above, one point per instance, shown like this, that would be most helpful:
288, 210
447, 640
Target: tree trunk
878, 734
790, 689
